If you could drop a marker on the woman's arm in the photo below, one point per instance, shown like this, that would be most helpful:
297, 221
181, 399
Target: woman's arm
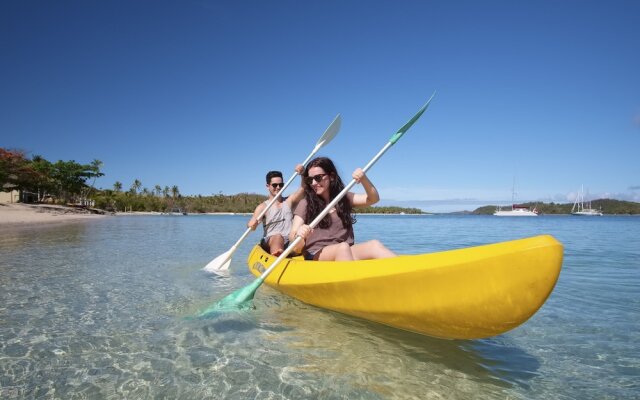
370, 195
298, 228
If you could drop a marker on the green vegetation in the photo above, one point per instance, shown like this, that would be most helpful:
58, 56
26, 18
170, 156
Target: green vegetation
389, 210
607, 206
167, 200
39, 180
63, 182
237, 203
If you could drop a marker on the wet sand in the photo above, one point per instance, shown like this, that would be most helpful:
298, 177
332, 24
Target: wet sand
18, 214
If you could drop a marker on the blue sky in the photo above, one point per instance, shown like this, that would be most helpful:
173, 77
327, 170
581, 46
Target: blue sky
209, 95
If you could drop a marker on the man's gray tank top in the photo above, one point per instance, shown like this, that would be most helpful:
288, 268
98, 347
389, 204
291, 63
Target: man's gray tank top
278, 220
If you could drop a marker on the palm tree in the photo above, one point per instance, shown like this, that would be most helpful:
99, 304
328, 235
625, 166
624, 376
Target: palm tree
117, 186
175, 192
93, 171
94, 168
135, 186
158, 190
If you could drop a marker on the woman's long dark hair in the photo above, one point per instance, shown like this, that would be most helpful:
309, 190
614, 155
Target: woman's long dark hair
315, 204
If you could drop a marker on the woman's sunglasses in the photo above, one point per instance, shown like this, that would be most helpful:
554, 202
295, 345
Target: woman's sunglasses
318, 178
277, 185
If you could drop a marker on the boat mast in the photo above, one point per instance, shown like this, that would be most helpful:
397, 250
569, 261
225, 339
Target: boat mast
577, 204
513, 194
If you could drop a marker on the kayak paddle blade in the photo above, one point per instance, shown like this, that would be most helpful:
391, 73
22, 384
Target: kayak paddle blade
331, 132
238, 300
412, 121
219, 265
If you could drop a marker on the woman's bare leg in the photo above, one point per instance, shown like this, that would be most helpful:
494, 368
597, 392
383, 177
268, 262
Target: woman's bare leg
369, 250
335, 252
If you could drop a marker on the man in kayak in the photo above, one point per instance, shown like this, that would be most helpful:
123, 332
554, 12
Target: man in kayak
277, 220
333, 238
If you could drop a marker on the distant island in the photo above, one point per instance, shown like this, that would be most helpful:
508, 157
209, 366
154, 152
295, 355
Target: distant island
607, 206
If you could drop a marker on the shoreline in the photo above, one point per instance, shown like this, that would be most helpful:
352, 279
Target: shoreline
17, 215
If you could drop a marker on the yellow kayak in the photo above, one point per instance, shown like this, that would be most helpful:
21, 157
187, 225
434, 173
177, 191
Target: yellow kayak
469, 293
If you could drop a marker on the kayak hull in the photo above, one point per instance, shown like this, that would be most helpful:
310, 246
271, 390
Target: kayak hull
468, 293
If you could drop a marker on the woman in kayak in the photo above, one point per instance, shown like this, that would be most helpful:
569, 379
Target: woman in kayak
333, 239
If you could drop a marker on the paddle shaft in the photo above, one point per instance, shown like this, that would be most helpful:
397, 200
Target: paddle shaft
326, 138
324, 212
245, 294
264, 211
344, 191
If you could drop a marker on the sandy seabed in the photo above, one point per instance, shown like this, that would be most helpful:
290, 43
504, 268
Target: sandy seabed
17, 214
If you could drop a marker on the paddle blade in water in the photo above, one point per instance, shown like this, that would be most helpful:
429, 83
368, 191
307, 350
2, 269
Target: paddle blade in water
238, 300
220, 265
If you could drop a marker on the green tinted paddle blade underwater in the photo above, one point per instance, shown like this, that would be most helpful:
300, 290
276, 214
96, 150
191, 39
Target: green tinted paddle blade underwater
236, 301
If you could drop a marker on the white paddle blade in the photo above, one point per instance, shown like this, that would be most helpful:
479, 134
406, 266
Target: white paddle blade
219, 265
330, 133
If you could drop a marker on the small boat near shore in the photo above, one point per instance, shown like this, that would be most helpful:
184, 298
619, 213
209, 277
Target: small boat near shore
469, 293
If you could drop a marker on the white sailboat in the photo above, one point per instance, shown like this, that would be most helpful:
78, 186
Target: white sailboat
517, 210
579, 208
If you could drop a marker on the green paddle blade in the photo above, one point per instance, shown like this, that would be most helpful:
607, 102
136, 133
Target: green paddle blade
408, 125
238, 300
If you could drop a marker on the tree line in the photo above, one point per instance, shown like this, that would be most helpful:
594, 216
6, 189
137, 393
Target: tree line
154, 201
63, 182
40, 180
69, 182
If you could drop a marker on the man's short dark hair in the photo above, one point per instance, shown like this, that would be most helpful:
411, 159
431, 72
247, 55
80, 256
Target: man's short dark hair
273, 174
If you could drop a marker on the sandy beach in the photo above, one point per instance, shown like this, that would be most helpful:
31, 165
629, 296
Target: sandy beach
18, 214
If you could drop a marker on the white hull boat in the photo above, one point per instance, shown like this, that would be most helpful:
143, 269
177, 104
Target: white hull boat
579, 209
516, 211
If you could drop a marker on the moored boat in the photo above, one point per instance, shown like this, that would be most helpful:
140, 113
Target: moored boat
583, 208
468, 293
517, 210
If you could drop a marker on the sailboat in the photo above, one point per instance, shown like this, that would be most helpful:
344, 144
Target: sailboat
579, 208
517, 210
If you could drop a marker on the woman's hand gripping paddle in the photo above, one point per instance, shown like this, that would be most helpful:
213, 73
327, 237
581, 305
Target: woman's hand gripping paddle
239, 298
220, 265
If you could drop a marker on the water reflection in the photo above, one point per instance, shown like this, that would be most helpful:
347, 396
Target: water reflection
367, 344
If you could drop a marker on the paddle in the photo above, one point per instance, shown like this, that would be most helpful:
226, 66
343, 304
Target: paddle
220, 264
239, 298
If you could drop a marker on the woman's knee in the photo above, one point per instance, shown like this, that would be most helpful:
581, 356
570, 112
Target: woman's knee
344, 248
378, 250
342, 252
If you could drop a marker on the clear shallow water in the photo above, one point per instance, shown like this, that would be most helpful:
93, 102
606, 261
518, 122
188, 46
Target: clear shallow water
97, 310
